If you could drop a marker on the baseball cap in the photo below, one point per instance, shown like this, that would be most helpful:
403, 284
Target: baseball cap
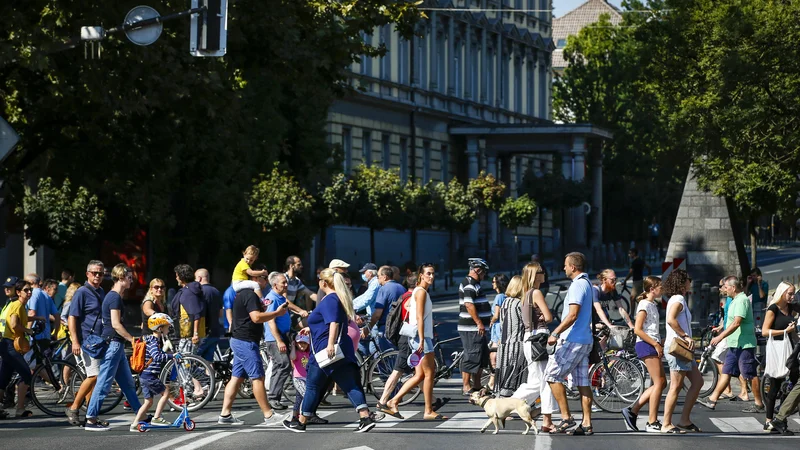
10, 282
302, 338
338, 264
368, 266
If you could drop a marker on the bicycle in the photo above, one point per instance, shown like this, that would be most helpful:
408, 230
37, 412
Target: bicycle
558, 302
50, 391
616, 382
200, 375
223, 365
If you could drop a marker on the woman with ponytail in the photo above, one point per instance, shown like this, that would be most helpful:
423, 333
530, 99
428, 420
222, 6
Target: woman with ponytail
650, 350
327, 325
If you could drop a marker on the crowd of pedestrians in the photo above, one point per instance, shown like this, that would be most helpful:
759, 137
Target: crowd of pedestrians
312, 336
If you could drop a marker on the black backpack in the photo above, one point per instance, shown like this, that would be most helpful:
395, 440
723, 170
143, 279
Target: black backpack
394, 322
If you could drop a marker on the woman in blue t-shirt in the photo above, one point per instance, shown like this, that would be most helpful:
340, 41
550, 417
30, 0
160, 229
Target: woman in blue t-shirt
327, 325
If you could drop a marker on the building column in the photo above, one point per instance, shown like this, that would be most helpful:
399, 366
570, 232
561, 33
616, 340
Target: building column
491, 168
433, 62
578, 173
468, 94
597, 201
484, 67
499, 74
451, 53
472, 172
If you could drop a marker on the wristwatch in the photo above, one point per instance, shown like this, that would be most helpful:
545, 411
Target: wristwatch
555, 335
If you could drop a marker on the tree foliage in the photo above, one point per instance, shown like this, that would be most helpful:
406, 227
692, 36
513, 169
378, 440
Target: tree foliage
517, 212
553, 191
380, 197
487, 190
460, 209
342, 200
53, 216
278, 203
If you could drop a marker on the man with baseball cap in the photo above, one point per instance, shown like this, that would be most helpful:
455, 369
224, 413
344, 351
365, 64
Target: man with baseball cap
11, 295
369, 273
339, 265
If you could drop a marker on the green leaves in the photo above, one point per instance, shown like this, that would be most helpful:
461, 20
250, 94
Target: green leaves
517, 212
487, 190
460, 208
553, 191
380, 196
278, 203
54, 217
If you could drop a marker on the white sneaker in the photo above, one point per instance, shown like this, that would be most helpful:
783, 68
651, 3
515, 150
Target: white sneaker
230, 420
274, 419
654, 427
596, 409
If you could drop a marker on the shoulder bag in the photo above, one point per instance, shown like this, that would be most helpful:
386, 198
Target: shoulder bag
94, 345
680, 348
594, 355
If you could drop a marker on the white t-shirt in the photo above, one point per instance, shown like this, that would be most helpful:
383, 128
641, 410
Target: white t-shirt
651, 321
427, 317
684, 319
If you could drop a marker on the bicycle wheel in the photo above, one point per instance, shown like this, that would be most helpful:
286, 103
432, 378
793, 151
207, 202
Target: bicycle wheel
616, 385
708, 368
53, 387
194, 376
380, 370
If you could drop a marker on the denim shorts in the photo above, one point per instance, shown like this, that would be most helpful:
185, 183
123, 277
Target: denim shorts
414, 344
677, 364
151, 386
741, 361
247, 361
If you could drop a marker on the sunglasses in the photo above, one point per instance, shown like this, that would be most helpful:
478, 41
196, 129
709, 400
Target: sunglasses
158, 287
97, 274
29, 290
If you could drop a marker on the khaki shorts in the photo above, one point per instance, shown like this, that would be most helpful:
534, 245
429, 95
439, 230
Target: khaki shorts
636, 289
91, 365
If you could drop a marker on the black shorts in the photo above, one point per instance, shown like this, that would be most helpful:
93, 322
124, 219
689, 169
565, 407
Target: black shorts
476, 351
403, 350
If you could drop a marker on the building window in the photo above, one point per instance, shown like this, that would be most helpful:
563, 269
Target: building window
421, 61
518, 174
457, 72
404, 159
518, 85
366, 148
386, 59
440, 61
426, 161
561, 43
387, 151
504, 92
544, 14
445, 164
366, 61
403, 61
347, 150
518, 4
490, 77
473, 88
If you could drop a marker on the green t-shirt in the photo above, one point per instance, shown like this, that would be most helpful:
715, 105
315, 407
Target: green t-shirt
745, 335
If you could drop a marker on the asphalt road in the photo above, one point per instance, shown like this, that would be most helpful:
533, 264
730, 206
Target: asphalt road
726, 427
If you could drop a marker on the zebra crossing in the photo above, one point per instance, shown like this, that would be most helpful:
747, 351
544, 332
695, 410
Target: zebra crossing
345, 420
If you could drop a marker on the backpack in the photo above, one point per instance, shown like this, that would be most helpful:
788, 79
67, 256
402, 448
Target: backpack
138, 363
397, 315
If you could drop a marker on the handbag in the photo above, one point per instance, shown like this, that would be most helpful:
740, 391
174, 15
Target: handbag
94, 345
680, 348
409, 330
322, 356
22, 345
778, 352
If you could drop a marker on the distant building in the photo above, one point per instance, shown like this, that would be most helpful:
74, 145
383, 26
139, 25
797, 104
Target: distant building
571, 23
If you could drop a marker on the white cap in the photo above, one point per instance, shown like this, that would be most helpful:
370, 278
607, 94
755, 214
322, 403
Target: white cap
338, 263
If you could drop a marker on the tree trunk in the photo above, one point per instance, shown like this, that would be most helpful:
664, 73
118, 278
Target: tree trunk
452, 253
753, 243
323, 239
372, 245
414, 246
516, 251
486, 233
540, 249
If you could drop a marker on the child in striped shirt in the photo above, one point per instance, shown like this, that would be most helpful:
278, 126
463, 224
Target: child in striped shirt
154, 362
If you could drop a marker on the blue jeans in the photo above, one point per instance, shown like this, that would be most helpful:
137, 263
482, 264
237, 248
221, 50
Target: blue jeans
12, 361
206, 348
114, 367
345, 373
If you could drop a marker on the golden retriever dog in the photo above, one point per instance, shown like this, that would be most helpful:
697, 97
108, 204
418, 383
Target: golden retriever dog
498, 409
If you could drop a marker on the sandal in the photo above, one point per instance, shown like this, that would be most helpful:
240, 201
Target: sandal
23, 414
387, 411
581, 431
437, 417
563, 426
673, 430
3, 414
691, 427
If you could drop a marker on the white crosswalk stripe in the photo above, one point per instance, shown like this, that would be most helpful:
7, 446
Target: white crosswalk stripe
390, 421
322, 414
466, 420
738, 424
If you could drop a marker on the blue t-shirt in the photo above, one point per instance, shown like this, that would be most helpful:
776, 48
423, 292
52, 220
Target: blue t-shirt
387, 294
112, 301
86, 305
329, 311
283, 322
498, 300
44, 307
728, 301
227, 303
580, 293
755, 293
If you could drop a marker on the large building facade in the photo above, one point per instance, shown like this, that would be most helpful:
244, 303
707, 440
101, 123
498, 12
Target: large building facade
475, 68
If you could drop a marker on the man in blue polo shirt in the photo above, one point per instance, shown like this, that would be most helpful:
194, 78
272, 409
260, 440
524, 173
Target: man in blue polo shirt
227, 304
41, 304
389, 291
277, 340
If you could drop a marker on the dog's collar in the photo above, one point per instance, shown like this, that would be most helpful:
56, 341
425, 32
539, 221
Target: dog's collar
485, 401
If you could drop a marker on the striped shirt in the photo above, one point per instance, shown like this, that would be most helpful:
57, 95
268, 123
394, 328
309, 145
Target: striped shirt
155, 353
294, 286
469, 291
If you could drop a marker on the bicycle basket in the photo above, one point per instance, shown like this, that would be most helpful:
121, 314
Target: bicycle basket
621, 338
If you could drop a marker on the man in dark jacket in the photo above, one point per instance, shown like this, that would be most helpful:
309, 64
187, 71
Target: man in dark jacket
213, 301
189, 308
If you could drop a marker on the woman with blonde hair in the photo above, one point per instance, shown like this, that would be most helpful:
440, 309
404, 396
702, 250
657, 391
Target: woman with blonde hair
511, 366
779, 321
327, 326
155, 301
535, 317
